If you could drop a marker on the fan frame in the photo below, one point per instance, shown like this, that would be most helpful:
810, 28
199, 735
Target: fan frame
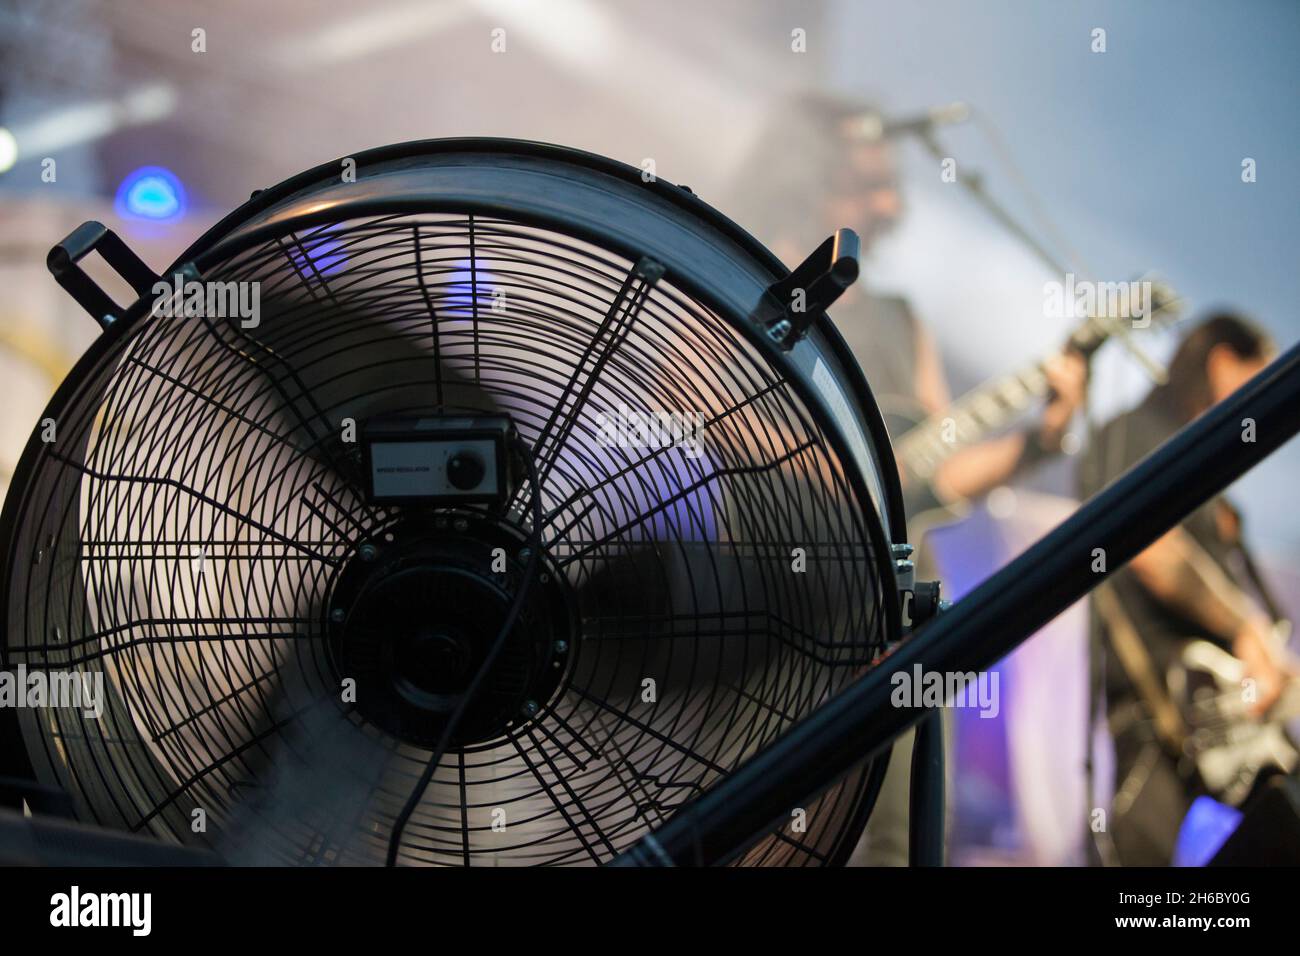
295, 204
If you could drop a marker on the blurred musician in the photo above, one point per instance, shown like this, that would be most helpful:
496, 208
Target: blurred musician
1189, 585
811, 173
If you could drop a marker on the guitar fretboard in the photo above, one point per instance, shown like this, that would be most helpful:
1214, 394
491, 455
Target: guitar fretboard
969, 419
996, 404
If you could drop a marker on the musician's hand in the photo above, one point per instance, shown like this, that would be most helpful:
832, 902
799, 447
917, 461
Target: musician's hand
1253, 647
1068, 377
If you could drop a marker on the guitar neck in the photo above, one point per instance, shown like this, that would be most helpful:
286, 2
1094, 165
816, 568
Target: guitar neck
992, 406
970, 419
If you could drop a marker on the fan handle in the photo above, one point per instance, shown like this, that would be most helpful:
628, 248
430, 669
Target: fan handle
96, 237
791, 305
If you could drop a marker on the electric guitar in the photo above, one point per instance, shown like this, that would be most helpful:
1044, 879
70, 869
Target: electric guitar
1228, 745
924, 443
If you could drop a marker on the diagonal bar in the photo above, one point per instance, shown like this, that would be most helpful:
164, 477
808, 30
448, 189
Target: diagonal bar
1123, 519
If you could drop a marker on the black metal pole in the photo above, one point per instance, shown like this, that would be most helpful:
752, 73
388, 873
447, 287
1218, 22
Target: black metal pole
1106, 532
47, 841
926, 818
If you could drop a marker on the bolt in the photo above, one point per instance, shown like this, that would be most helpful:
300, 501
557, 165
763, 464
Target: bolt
561, 646
460, 524
525, 554
779, 331
368, 552
337, 615
530, 708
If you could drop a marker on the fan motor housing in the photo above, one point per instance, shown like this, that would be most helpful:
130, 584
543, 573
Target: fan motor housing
412, 615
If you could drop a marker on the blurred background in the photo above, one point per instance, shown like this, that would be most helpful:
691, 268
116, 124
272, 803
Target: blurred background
1123, 162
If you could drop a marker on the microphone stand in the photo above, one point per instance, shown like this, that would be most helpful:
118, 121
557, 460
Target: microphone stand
974, 184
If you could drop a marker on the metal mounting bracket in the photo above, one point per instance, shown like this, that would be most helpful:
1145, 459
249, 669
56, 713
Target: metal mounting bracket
790, 306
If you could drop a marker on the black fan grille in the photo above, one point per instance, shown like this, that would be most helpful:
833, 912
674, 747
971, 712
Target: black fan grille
200, 500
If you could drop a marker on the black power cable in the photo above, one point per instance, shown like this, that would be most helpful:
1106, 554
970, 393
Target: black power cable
512, 614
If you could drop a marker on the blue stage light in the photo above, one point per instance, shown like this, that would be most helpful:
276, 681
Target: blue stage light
152, 193
468, 292
1205, 828
318, 254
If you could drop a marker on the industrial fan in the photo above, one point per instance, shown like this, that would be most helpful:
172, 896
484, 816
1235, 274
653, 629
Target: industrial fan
526, 502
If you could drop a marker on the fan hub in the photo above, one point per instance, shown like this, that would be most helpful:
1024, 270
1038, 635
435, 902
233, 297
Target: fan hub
412, 619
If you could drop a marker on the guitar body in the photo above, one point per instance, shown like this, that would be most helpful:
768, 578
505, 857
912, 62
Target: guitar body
1229, 747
